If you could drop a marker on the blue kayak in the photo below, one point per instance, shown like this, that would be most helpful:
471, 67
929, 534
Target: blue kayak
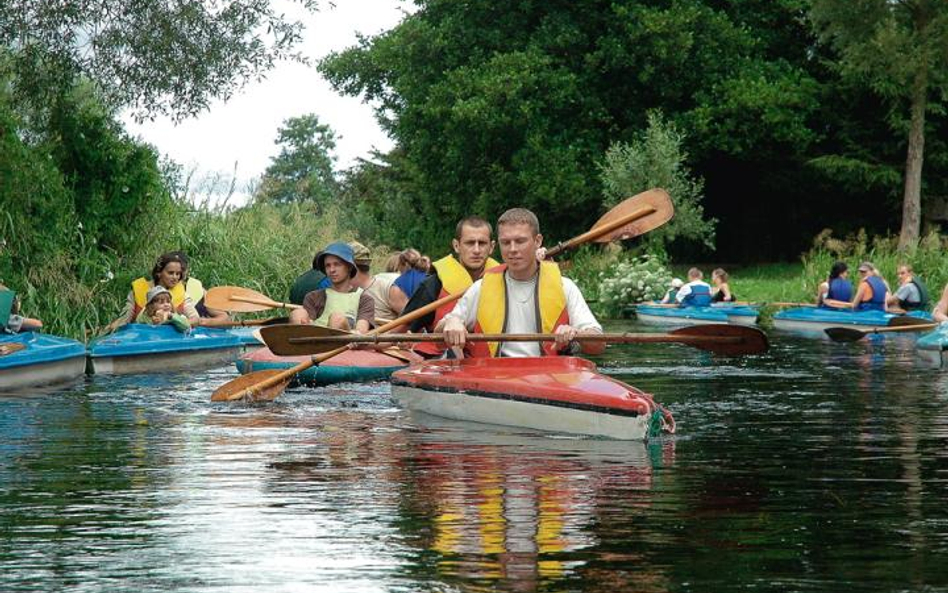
350, 366
31, 359
933, 346
137, 348
817, 319
718, 313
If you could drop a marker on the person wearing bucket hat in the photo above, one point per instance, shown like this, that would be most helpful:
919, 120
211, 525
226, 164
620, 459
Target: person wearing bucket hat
343, 305
159, 310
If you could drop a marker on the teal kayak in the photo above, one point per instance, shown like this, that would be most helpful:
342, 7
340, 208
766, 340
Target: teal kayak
32, 359
816, 319
659, 314
351, 366
137, 348
932, 347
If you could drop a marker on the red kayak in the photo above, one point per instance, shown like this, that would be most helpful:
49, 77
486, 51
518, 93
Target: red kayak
554, 393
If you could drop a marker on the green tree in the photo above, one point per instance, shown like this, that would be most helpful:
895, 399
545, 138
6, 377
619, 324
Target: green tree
155, 56
898, 49
497, 104
656, 159
305, 167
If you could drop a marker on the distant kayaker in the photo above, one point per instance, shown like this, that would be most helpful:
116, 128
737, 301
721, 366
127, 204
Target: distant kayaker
195, 290
11, 321
837, 291
524, 295
168, 271
872, 292
343, 305
912, 294
669, 297
472, 246
722, 290
696, 292
307, 282
159, 310
413, 268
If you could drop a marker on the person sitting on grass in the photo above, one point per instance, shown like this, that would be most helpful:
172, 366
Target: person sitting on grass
342, 305
722, 292
837, 291
696, 293
11, 321
912, 294
160, 311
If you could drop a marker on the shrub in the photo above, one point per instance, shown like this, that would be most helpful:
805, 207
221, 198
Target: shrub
633, 281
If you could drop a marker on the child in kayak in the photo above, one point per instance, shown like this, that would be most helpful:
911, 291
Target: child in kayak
669, 297
159, 311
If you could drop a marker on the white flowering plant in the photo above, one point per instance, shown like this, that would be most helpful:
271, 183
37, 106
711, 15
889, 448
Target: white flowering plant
637, 280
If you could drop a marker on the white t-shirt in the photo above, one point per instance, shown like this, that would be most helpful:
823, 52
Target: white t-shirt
521, 313
686, 289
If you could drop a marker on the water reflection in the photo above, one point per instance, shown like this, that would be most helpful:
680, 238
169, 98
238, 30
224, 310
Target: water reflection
816, 466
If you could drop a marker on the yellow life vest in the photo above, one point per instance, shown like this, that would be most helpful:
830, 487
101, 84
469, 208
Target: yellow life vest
492, 306
454, 277
194, 289
346, 303
140, 290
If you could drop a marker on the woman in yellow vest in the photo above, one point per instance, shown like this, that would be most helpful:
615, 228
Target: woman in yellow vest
195, 291
167, 272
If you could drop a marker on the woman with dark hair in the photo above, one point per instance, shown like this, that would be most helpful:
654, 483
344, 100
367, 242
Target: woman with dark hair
168, 272
195, 291
837, 291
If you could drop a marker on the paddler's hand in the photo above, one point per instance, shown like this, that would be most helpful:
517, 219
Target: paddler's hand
455, 334
564, 335
541, 254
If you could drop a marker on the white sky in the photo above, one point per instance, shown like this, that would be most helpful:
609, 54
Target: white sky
242, 130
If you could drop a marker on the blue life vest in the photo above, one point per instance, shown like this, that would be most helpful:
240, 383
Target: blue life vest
840, 289
700, 296
878, 295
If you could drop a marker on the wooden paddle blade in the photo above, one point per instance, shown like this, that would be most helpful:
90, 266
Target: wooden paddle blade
736, 339
845, 334
235, 389
656, 198
279, 339
11, 348
222, 297
907, 320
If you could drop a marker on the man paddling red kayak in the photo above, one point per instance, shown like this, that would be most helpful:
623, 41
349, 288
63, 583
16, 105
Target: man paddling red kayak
522, 295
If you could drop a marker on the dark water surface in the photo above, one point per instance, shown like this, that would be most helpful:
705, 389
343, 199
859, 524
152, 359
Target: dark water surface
815, 467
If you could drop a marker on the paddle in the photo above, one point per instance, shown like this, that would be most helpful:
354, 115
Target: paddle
849, 334
267, 385
296, 340
11, 348
648, 211
255, 322
235, 299
633, 217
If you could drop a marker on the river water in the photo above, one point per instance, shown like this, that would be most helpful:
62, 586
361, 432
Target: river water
815, 467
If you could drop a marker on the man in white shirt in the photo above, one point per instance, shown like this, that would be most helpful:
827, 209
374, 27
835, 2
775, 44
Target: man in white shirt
523, 296
696, 292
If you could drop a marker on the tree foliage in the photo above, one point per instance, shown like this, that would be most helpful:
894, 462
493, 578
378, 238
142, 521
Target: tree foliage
155, 56
497, 104
656, 159
305, 168
900, 51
